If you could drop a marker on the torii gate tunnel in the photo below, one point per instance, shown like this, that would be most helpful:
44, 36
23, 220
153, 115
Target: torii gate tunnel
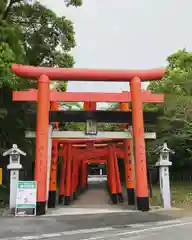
44, 75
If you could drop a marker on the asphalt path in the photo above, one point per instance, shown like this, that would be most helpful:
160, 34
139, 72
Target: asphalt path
175, 230
168, 230
66, 226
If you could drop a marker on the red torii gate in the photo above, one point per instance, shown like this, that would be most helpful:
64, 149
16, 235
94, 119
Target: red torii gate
96, 155
44, 75
96, 152
31, 95
99, 153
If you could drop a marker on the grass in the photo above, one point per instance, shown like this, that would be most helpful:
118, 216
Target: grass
181, 194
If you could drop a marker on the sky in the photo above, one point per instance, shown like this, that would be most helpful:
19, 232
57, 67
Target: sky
125, 34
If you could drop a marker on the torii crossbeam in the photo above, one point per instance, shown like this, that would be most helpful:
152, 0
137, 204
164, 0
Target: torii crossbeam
31, 95
85, 74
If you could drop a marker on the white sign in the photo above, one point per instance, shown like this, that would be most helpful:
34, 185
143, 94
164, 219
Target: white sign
26, 195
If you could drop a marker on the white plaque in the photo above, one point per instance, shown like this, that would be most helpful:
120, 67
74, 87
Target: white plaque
26, 198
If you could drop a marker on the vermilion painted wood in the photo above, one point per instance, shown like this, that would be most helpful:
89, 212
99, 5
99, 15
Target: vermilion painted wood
63, 171
84, 74
82, 154
96, 161
84, 140
117, 173
95, 153
89, 151
31, 95
41, 141
139, 145
68, 172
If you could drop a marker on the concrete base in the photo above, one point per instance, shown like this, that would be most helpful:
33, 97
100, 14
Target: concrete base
75, 196
120, 198
52, 199
41, 208
114, 198
61, 199
143, 204
69, 211
67, 200
131, 196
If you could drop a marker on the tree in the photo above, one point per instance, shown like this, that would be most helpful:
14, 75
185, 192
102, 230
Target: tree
175, 121
47, 38
31, 34
75, 3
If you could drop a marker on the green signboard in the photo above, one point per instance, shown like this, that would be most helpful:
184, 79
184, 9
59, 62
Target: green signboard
26, 194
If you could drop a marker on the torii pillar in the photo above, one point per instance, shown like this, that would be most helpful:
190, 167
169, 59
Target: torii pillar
128, 163
42, 128
142, 195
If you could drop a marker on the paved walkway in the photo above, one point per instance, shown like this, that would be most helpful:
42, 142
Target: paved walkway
97, 221
95, 196
95, 200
